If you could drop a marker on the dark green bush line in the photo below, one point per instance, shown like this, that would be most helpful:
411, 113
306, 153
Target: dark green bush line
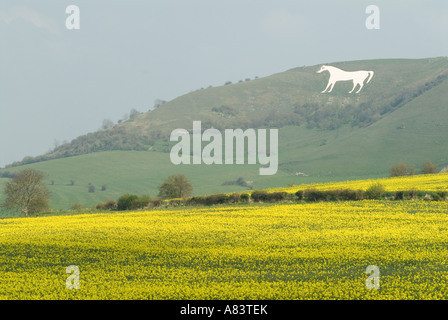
375, 192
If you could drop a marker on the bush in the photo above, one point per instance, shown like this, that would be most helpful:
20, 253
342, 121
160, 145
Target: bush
110, 204
197, 200
276, 196
156, 202
91, 188
76, 207
234, 198
401, 169
406, 195
375, 192
299, 194
128, 202
216, 199
259, 196
244, 197
143, 201
429, 167
314, 195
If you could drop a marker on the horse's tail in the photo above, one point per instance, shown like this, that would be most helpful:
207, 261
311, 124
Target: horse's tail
371, 73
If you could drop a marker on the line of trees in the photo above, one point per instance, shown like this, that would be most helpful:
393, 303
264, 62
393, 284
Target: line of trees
404, 169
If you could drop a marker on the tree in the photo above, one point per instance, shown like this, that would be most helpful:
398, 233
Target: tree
107, 123
158, 103
176, 186
429, 167
401, 169
91, 188
26, 192
133, 113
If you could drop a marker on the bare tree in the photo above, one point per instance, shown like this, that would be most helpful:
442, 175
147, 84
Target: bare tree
26, 192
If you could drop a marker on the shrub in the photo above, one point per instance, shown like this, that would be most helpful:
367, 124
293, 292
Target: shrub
234, 198
401, 169
108, 205
375, 192
128, 202
156, 202
76, 207
91, 188
276, 196
100, 206
259, 196
314, 195
216, 199
244, 197
143, 201
299, 194
429, 167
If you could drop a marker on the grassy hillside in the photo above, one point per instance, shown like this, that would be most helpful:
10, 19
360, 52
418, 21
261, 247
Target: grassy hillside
399, 117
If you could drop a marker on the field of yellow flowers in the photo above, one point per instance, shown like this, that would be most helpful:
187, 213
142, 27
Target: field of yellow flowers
289, 251
428, 182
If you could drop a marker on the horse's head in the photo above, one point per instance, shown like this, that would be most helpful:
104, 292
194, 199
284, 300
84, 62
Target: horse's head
322, 69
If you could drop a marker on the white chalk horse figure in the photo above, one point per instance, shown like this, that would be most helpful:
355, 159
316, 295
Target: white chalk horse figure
336, 74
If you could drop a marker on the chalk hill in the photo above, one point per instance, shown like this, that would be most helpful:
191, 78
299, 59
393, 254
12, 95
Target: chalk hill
400, 116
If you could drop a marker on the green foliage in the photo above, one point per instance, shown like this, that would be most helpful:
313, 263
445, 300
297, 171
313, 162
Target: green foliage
259, 196
91, 188
315, 195
156, 202
429, 167
143, 201
263, 196
76, 207
128, 202
375, 192
176, 186
108, 205
27, 193
299, 194
401, 169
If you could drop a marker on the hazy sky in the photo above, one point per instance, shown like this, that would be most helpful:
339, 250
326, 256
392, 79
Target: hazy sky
57, 84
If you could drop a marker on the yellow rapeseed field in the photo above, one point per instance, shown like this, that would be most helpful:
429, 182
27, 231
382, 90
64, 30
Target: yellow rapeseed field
295, 251
428, 182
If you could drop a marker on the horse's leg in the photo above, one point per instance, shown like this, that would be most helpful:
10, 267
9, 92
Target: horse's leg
354, 86
361, 84
328, 85
332, 86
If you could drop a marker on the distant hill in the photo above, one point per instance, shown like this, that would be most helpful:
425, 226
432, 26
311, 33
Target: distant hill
400, 116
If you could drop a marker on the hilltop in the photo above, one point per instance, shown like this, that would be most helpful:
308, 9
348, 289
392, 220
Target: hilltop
399, 116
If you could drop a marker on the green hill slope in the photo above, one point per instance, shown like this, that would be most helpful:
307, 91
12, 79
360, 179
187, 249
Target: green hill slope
399, 116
